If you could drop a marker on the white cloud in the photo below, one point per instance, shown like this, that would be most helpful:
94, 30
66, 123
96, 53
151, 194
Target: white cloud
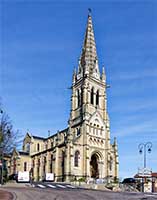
135, 105
132, 75
138, 128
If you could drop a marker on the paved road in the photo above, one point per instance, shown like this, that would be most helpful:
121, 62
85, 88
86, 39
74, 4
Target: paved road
5, 195
48, 193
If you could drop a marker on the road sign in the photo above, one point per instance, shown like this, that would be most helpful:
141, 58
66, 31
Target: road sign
145, 172
49, 176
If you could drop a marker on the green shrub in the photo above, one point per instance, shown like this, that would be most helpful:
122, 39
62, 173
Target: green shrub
82, 179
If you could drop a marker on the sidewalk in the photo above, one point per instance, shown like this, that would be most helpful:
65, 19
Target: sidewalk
4, 195
14, 184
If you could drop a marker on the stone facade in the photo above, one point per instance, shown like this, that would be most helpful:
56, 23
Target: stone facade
83, 149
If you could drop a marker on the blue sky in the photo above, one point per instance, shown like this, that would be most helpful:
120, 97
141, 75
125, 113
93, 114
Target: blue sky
40, 45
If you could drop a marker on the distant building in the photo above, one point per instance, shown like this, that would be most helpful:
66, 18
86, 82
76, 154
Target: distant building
148, 181
83, 149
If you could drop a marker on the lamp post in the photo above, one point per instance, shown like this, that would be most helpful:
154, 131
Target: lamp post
144, 148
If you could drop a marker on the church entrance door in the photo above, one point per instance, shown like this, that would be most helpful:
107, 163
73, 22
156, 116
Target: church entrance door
94, 166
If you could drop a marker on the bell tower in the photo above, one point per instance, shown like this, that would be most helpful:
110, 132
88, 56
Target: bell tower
89, 148
88, 86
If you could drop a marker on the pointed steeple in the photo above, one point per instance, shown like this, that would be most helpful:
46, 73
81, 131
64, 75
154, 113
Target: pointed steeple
74, 75
115, 141
88, 63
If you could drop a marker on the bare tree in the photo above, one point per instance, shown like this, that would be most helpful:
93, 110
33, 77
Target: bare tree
9, 138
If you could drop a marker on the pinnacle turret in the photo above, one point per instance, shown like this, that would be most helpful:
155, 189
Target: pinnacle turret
74, 75
103, 77
115, 141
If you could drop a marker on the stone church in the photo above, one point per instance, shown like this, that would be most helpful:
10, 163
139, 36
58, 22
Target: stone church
83, 149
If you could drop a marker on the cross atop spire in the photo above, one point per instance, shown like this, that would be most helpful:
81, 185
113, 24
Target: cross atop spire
89, 11
88, 63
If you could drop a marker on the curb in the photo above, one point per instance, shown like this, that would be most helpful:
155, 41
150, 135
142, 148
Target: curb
14, 195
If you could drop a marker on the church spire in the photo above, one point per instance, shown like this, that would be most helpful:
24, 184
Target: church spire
88, 63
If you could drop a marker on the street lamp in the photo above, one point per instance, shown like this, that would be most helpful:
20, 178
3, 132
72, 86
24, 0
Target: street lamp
144, 148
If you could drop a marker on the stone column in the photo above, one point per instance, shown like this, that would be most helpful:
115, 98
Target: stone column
94, 98
37, 169
88, 95
87, 158
68, 162
100, 168
41, 168
56, 163
48, 159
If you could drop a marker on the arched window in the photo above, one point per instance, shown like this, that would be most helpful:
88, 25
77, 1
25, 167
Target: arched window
46, 145
51, 164
33, 163
51, 143
111, 163
97, 97
39, 162
77, 131
45, 160
44, 164
78, 98
63, 157
28, 147
51, 157
81, 96
25, 166
92, 96
76, 159
38, 147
